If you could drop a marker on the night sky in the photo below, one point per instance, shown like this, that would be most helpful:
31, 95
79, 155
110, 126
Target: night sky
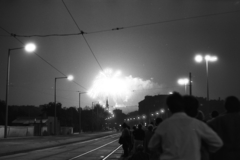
156, 41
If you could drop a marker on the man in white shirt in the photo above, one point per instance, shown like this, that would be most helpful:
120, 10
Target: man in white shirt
179, 137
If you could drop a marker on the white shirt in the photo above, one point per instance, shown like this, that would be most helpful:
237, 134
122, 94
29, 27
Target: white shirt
180, 138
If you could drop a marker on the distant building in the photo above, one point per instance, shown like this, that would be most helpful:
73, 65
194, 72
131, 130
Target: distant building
153, 106
41, 125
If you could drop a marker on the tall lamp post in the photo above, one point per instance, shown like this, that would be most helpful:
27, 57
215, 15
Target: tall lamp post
184, 81
80, 110
29, 48
207, 58
55, 94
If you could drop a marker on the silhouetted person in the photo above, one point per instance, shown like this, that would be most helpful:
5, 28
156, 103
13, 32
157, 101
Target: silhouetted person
200, 116
138, 137
157, 122
191, 106
214, 114
126, 139
180, 135
147, 138
228, 128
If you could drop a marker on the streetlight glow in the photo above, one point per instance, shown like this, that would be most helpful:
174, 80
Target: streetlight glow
198, 58
213, 58
208, 58
70, 77
183, 81
30, 47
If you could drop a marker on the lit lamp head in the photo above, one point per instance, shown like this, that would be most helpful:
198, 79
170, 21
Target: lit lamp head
210, 58
199, 58
30, 47
183, 81
70, 77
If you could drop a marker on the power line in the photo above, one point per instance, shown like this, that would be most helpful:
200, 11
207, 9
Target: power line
82, 35
175, 20
5, 30
92, 53
120, 28
42, 58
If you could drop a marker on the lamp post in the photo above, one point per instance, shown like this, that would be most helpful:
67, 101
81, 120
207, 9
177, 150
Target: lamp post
184, 81
80, 110
29, 48
55, 94
207, 58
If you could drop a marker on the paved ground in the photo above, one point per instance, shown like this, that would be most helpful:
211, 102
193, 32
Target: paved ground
24, 144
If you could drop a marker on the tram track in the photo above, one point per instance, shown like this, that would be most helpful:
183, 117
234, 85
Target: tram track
95, 146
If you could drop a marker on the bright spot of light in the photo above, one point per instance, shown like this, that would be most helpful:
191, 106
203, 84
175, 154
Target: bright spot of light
30, 47
198, 58
183, 81
214, 58
117, 87
70, 77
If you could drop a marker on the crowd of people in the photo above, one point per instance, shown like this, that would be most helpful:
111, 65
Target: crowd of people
185, 135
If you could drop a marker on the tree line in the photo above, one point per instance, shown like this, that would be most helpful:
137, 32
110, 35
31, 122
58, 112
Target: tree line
92, 119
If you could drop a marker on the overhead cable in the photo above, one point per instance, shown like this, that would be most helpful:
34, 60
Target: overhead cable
120, 28
42, 58
82, 35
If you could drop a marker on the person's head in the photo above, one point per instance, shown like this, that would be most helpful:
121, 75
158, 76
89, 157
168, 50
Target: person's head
200, 116
150, 128
139, 126
175, 102
214, 114
232, 104
152, 123
134, 127
191, 105
158, 121
124, 125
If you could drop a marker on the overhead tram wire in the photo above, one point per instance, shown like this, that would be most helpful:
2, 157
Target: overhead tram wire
82, 35
120, 28
41, 57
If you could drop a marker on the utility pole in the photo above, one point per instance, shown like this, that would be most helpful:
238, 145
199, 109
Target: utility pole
190, 84
80, 111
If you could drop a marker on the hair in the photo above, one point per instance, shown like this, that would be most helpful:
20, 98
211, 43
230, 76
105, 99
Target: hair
124, 125
175, 102
191, 105
232, 104
158, 121
214, 114
150, 128
200, 116
134, 127
139, 126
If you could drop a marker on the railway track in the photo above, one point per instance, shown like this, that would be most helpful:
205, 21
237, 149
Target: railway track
104, 148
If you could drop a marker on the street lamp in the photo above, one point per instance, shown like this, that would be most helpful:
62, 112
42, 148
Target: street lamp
184, 81
30, 47
80, 110
207, 58
55, 90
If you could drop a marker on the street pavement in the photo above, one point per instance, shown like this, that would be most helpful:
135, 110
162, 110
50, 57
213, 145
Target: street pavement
11, 146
